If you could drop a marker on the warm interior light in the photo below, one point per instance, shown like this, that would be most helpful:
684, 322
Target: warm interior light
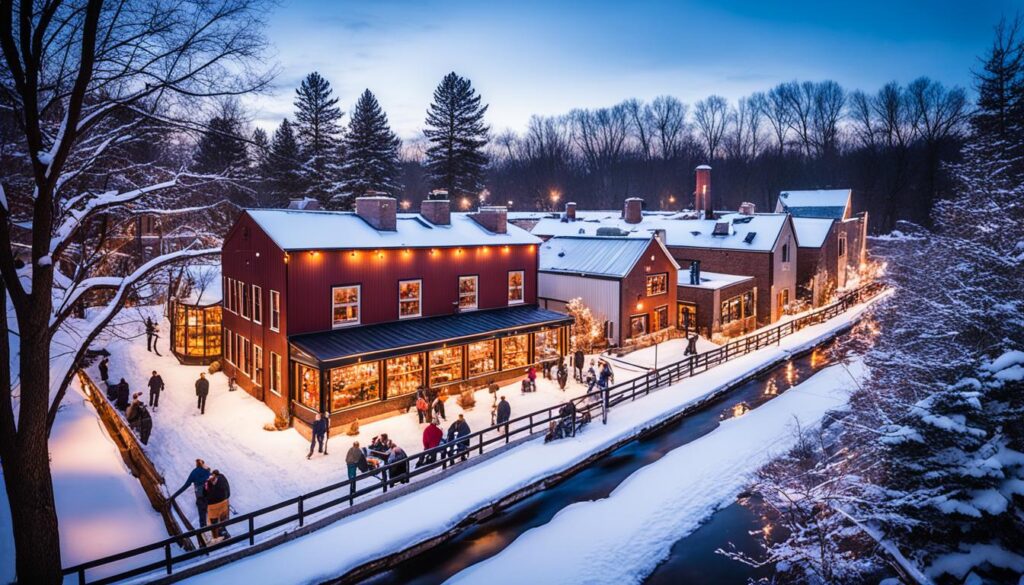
433, 252
459, 251
639, 305
504, 248
380, 255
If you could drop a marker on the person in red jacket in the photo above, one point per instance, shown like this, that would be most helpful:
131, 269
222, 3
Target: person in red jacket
431, 438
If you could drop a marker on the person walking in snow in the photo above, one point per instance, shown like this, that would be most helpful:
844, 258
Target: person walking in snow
123, 393
400, 461
104, 369
150, 333
355, 460
562, 375
218, 494
145, 424
504, 413
462, 431
422, 407
197, 478
156, 339
156, 385
202, 391
438, 408
319, 433
591, 377
578, 361
132, 412
691, 345
531, 375
432, 436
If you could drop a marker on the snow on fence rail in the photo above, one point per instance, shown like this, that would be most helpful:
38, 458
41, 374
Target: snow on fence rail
269, 518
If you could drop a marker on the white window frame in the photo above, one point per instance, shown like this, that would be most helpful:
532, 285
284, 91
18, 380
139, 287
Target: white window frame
257, 364
224, 287
243, 307
257, 301
842, 245
229, 284
522, 286
247, 354
275, 373
275, 310
228, 354
358, 305
476, 292
419, 298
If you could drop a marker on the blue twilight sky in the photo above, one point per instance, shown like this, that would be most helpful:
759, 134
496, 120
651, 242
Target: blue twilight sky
549, 57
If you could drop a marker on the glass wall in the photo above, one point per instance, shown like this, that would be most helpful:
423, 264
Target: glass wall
482, 357
515, 352
405, 374
545, 345
196, 331
308, 380
445, 365
355, 384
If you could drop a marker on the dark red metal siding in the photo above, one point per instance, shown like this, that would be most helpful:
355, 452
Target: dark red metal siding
634, 289
311, 276
239, 260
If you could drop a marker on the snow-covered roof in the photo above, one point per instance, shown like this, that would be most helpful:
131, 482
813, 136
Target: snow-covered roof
695, 233
711, 280
594, 256
203, 284
821, 203
326, 230
811, 231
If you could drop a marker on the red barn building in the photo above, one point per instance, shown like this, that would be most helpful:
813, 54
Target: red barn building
351, 312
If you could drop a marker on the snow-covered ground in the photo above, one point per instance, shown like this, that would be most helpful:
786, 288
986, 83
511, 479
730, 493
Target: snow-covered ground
622, 538
265, 467
395, 525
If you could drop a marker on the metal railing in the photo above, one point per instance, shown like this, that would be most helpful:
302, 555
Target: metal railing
382, 479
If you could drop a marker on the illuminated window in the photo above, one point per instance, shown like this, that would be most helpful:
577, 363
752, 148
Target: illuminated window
445, 365
228, 354
257, 304
346, 305
515, 352
545, 345
482, 357
308, 393
515, 287
657, 284
661, 318
467, 293
405, 374
257, 365
409, 304
355, 384
638, 325
275, 310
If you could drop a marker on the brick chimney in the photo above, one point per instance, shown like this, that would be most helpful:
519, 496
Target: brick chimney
438, 194
492, 217
747, 208
570, 211
379, 212
436, 211
633, 210
702, 196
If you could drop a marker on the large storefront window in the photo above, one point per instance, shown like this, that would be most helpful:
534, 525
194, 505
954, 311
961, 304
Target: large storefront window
345, 300
308, 393
545, 345
445, 365
405, 374
196, 331
686, 316
482, 357
355, 384
515, 352
738, 307
660, 318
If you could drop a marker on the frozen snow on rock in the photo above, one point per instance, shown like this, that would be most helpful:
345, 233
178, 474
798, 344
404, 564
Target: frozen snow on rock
395, 525
622, 538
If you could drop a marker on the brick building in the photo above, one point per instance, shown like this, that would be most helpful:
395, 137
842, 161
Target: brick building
350, 312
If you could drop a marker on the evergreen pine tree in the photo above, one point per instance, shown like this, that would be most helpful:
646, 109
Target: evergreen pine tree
371, 152
318, 129
221, 149
261, 156
999, 118
286, 170
457, 135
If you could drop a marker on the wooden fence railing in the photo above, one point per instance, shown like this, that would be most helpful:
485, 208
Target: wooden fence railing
245, 528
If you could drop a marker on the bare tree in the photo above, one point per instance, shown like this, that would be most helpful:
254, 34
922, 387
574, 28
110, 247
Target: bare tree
829, 103
85, 80
600, 134
641, 125
775, 107
744, 139
800, 102
670, 128
712, 118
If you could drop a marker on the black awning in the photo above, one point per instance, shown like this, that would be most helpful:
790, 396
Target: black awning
398, 337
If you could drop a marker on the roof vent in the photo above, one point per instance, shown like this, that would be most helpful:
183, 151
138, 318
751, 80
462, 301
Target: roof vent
749, 237
744, 219
611, 231
561, 254
582, 231
721, 228
695, 232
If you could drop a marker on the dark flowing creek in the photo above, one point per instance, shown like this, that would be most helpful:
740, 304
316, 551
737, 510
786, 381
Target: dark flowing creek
692, 559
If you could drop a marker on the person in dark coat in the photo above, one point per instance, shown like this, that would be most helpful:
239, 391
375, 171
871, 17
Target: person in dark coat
132, 412
104, 369
562, 374
150, 333
123, 393
438, 407
145, 424
319, 433
691, 345
156, 385
202, 391
218, 492
578, 361
197, 478
504, 413
432, 436
462, 431
400, 471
